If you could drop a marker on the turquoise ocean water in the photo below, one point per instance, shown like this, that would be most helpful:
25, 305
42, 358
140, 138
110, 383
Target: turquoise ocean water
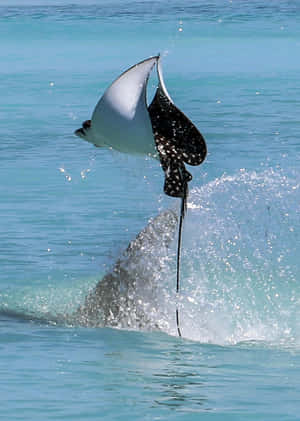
67, 210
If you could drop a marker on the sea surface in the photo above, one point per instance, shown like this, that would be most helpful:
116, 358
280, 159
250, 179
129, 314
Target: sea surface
68, 210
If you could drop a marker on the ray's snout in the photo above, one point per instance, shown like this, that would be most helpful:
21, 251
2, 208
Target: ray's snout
81, 132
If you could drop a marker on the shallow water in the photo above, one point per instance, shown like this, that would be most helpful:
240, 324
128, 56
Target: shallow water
68, 210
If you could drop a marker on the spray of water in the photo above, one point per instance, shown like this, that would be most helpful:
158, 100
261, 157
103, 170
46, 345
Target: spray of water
240, 270
240, 264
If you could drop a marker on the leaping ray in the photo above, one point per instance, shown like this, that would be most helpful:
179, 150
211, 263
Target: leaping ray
122, 120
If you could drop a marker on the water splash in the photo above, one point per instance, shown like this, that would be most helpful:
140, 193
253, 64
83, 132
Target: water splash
241, 266
240, 270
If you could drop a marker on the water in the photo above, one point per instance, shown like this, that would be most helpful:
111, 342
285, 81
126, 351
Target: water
68, 210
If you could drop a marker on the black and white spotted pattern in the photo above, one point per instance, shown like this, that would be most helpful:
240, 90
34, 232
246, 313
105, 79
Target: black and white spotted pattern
177, 141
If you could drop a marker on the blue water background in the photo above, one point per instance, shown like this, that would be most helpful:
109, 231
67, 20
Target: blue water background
68, 210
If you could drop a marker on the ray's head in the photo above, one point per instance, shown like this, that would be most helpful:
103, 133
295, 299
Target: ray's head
85, 131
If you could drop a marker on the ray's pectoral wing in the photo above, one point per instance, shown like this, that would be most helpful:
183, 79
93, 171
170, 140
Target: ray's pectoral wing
121, 116
177, 140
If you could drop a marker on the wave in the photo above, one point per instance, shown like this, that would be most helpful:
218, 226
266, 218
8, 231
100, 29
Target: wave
240, 269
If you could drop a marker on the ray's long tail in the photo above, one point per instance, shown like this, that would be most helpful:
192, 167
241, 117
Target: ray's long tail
179, 243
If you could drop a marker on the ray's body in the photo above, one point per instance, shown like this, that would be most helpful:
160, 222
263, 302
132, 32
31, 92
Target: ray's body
123, 121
